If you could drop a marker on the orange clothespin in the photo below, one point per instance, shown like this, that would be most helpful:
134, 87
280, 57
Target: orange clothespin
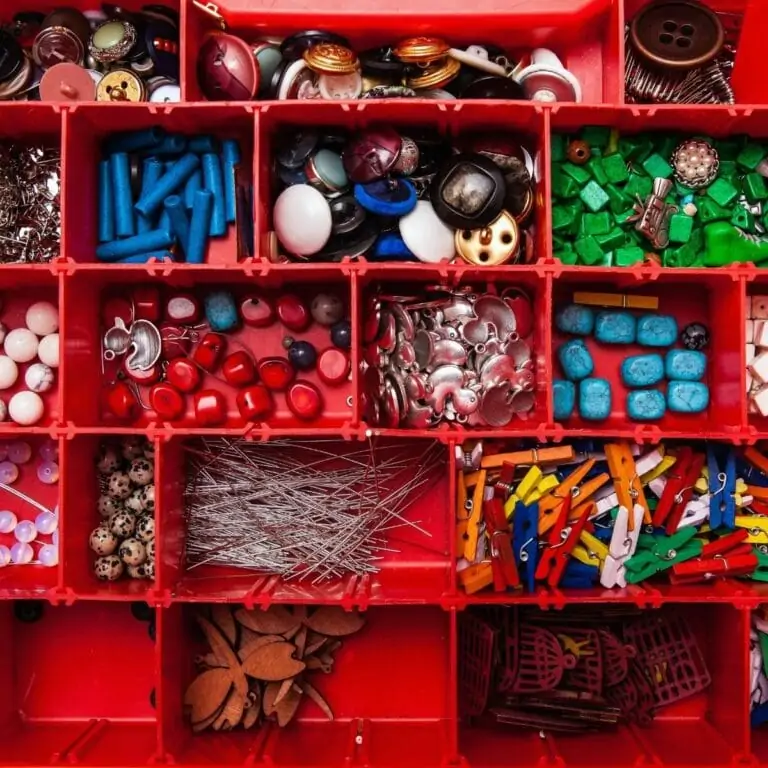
502, 558
565, 489
626, 480
754, 457
582, 494
473, 521
476, 577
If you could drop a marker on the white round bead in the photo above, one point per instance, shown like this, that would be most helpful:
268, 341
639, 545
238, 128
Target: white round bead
5, 555
26, 408
7, 521
46, 523
48, 555
9, 372
302, 220
39, 377
428, 238
48, 351
3, 411
25, 531
21, 345
42, 318
21, 553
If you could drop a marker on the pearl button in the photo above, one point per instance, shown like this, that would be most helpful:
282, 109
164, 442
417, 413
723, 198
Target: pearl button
302, 220
42, 318
9, 372
21, 345
26, 408
48, 351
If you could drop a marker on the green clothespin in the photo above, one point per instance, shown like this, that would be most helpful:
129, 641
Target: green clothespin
657, 553
761, 572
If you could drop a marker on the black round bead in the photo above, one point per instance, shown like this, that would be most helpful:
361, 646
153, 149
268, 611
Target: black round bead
695, 336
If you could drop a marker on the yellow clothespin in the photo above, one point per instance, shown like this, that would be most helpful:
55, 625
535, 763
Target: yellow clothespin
660, 469
524, 487
590, 550
757, 525
462, 508
546, 484
629, 488
555, 499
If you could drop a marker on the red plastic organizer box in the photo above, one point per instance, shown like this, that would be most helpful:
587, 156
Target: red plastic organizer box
86, 684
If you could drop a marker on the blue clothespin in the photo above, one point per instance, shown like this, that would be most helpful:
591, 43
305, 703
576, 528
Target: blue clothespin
525, 542
759, 715
750, 474
722, 490
579, 575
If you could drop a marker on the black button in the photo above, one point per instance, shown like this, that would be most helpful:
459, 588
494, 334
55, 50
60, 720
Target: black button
11, 56
294, 150
355, 243
381, 62
493, 87
161, 40
347, 214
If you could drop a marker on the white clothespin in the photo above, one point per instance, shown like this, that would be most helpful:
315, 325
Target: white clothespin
622, 547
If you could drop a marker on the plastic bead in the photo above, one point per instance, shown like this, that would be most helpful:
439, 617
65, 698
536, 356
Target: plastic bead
25, 531
21, 345
42, 318
275, 373
305, 400
341, 334
8, 521
48, 555
5, 556
9, 372
39, 377
49, 451
48, 473
21, 553
327, 309
9, 473
302, 355
210, 408
26, 408
239, 369
293, 313
257, 312
19, 452
48, 350
46, 523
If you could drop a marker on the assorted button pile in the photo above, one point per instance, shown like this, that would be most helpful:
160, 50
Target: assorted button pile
613, 514
620, 200
680, 371
576, 670
29, 533
163, 195
170, 346
392, 196
31, 351
322, 65
451, 355
73, 55
124, 540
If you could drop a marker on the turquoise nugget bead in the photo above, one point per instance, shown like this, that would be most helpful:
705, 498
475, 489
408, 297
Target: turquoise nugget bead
595, 399
685, 364
564, 398
575, 319
646, 405
615, 327
642, 370
575, 360
656, 330
687, 396
221, 311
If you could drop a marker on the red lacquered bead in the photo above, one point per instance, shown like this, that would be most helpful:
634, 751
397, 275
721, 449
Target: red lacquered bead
293, 312
333, 366
145, 378
276, 373
210, 408
239, 369
183, 374
175, 343
255, 402
257, 311
166, 401
305, 400
114, 308
209, 351
121, 401
146, 303
182, 308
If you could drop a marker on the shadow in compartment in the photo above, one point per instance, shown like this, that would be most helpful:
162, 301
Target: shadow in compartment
607, 686
231, 355
601, 361
758, 681
78, 711
378, 174
293, 520
383, 713
470, 355
756, 353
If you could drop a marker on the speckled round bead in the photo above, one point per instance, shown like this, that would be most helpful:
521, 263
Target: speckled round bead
695, 336
108, 460
119, 485
102, 541
145, 528
135, 502
149, 569
136, 571
109, 568
122, 524
132, 552
108, 506
150, 547
149, 451
149, 497
141, 472
132, 447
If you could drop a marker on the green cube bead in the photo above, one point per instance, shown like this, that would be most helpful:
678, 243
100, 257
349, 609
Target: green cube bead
635, 148
657, 167
622, 218
594, 197
567, 257
709, 211
558, 144
665, 145
589, 250
722, 192
638, 186
597, 223
566, 218
743, 219
615, 169
750, 156
617, 200
563, 187
728, 149
755, 188
613, 240
577, 172
728, 170
595, 167
596, 135
680, 228
608, 259
628, 256
684, 256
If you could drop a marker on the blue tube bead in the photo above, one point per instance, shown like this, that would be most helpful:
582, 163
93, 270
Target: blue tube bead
214, 182
199, 226
147, 242
106, 204
151, 172
135, 141
194, 184
204, 143
179, 221
172, 145
230, 159
168, 184
120, 167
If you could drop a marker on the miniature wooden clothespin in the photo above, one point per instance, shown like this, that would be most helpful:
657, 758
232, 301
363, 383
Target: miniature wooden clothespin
502, 557
622, 547
726, 556
562, 539
525, 542
658, 553
677, 490
626, 479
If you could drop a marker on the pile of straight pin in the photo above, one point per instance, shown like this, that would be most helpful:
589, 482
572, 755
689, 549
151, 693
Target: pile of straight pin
313, 509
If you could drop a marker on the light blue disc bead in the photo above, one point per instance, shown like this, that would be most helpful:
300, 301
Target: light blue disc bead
594, 399
685, 364
687, 396
646, 405
575, 360
615, 327
656, 330
221, 311
564, 398
642, 370
576, 319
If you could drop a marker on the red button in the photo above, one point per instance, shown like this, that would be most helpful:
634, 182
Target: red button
333, 366
146, 303
175, 342
293, 312
257, 311
209, 351
183, 308
239, 369
276, 373
183, 374
121, 401
167, 401
255, 403
305, 400
116, 307
210, 408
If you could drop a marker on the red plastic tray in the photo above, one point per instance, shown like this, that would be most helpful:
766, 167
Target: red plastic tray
86, 685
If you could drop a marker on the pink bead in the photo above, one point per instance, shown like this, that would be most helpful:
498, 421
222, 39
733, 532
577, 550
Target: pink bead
48, 555
48, 472
48, 351
21, 553
9, 473
9, 372
19, 452
7, 521
25, 531
21, 345
42, 318
26, 408
49, 451
5, 555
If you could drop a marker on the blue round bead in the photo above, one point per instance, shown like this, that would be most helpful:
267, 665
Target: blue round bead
341, 334
302, 355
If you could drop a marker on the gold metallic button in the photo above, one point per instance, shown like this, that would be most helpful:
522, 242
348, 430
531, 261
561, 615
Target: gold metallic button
331, 59
435, 75
490, 246
121, 85
421, 50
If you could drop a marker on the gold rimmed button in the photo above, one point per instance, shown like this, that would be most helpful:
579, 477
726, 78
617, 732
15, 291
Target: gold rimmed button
490, 246
121, 85
435, 75
421, 50
331, 59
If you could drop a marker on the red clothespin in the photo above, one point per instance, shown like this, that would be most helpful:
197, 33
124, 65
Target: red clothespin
757, 507
681, 479
502, 558
563, 537
503, 485
729, 555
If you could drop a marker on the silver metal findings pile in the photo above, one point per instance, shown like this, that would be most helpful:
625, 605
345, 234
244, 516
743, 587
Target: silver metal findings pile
316, 509
30, 223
